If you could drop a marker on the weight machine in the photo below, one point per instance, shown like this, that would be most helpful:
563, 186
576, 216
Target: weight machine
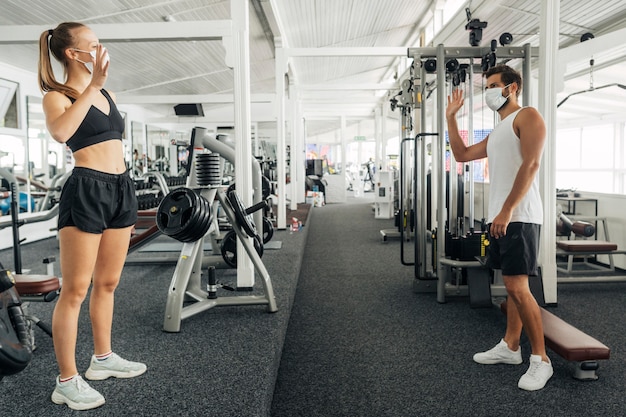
443, 61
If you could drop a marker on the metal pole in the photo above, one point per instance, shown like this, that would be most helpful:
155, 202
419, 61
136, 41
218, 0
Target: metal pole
470, 141
441, 205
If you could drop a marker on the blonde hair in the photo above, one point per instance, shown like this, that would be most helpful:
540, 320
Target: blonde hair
56, 40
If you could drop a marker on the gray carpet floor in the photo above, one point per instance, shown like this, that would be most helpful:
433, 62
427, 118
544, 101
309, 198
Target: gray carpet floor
222, 363
360, 342
357, 341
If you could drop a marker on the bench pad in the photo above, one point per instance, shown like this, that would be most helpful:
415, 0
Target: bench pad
586, 245
568, 341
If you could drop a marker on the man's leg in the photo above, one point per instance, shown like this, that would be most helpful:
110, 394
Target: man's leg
523, 311
527, 312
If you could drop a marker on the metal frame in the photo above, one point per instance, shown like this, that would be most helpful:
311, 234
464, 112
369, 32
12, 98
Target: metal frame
442, 53
186, 281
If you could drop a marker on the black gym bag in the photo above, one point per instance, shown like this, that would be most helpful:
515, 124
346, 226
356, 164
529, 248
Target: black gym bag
15, 349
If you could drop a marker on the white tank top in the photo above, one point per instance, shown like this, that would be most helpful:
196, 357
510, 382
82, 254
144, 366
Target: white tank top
505, 159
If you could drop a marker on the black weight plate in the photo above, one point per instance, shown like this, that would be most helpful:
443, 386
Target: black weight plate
258, 245
175, 210
229, 249
189, 230
243, 220
205, 222
266, 187
268, 230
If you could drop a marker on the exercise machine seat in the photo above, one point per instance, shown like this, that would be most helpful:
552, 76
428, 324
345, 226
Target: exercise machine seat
36, 284
586, 245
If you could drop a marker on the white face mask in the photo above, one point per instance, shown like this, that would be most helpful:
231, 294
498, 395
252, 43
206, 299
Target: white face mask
89, 65
494, 98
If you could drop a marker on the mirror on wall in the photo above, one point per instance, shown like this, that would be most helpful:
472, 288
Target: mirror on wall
45, 155
158, 141
9, 104
138, 145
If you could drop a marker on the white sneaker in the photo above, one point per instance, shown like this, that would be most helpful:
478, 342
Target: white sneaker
114, 366
499, 354
539, 372
77, 394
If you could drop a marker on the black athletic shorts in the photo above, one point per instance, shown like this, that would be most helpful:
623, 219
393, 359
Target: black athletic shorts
93, 201
516, 252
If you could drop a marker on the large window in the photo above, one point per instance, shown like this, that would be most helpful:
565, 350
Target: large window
591, 158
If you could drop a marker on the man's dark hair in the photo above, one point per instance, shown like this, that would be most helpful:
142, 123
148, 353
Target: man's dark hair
507, 74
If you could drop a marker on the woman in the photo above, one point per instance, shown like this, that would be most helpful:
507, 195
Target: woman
97, 211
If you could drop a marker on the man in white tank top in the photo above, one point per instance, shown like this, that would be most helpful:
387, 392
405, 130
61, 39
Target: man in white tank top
515, 214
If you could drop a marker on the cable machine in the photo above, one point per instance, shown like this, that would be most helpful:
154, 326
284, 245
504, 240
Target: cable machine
442, 60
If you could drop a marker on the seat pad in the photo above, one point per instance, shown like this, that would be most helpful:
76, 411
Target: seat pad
27, 284
586, 245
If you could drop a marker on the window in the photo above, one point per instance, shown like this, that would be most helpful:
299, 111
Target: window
591, 158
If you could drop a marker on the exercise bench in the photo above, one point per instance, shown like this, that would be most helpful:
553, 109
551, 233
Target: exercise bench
586, 248
572, 344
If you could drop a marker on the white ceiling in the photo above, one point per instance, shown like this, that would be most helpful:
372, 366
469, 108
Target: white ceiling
191, 68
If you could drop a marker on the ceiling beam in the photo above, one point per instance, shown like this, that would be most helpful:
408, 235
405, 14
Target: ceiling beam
338, 51
265, 23
343, 87
189, 98
584, 50
201, 30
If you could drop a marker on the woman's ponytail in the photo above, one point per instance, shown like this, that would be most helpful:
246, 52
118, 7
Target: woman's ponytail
55, 41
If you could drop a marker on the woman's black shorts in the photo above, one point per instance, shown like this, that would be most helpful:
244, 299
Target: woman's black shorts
93, 201
516, 252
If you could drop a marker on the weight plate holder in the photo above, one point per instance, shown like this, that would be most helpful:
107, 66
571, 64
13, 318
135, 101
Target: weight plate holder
186, 297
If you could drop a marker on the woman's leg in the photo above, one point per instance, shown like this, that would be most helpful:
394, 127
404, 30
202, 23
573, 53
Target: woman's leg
108, 269
78, 251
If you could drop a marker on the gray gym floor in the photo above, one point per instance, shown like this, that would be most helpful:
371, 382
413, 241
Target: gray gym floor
357, 342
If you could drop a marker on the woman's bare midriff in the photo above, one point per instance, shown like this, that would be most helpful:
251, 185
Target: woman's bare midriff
104, 156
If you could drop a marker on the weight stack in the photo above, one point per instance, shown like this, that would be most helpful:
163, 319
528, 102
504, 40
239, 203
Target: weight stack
208, 169
473, 245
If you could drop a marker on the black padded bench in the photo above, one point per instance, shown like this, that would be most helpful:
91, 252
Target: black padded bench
572, 344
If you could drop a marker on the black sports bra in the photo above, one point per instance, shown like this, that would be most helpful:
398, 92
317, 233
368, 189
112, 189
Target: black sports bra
97, 126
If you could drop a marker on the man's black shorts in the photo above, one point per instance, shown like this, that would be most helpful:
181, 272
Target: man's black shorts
93, 201
516, 252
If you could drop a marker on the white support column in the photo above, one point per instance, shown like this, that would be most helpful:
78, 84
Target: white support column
257, 147
281, 68
344, 154
548, 53
383, 133
300, 156
294, 171
378, 137
243, 146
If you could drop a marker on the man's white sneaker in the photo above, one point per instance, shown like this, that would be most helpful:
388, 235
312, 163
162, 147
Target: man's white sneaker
539, 372
499, 354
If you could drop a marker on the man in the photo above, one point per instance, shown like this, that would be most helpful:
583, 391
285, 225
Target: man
515, 214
